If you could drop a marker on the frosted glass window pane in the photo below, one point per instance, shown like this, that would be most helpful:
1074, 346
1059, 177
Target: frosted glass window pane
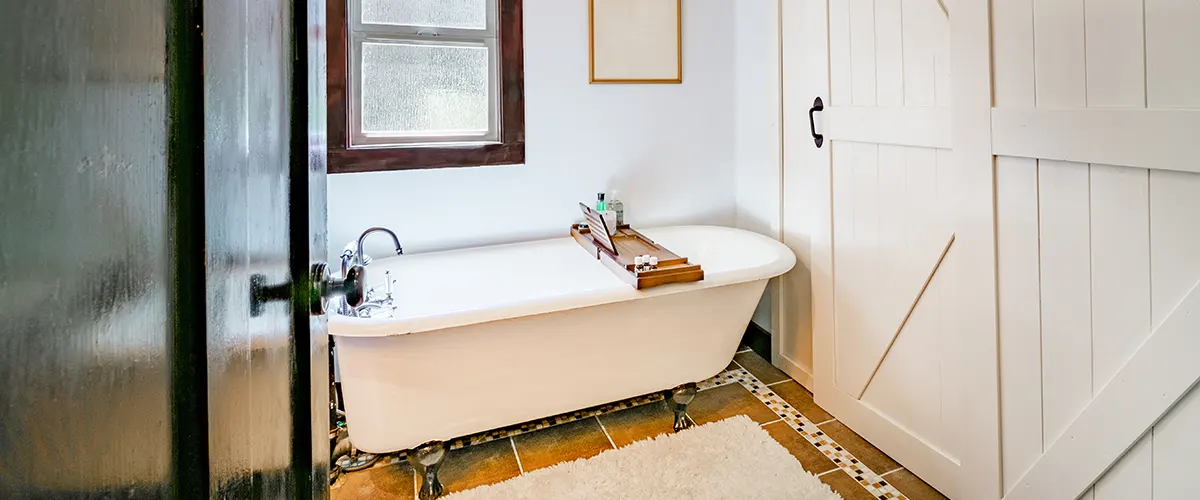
423, 89
470, 14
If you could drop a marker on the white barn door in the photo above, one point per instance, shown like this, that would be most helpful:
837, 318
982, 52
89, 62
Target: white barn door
885, 367
1096, 129
875, 209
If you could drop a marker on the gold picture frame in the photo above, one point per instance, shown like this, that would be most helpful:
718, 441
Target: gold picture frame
635, 41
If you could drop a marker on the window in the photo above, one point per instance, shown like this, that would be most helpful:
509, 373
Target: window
425, 84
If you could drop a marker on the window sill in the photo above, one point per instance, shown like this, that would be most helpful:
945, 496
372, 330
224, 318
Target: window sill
375, 159
425, 145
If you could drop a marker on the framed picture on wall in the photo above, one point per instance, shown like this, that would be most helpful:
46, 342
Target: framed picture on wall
636, 41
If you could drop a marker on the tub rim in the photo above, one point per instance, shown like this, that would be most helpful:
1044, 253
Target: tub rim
343, 326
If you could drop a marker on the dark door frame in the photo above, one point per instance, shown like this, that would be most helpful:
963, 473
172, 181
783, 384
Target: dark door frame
185, 88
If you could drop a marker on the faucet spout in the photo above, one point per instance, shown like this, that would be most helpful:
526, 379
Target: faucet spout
359, 255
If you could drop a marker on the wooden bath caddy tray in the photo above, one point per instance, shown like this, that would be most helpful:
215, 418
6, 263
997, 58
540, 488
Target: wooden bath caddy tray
618, 251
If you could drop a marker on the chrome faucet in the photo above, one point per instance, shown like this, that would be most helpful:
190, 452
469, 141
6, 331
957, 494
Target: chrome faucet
399, 249
353, 254
357, 257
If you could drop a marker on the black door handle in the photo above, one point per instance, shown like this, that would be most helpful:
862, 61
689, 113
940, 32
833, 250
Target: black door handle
324, 287
812, 123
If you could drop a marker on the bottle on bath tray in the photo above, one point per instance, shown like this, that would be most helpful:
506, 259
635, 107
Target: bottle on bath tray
610, 217
615, 205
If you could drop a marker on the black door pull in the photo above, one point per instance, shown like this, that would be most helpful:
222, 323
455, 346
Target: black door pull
812, 123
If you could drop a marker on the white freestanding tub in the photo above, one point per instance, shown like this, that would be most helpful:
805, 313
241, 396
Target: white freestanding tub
489, 337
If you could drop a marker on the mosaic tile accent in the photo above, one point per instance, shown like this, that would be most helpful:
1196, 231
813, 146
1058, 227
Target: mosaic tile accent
725, 378
868, 479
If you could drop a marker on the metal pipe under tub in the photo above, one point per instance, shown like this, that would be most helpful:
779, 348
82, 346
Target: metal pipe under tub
483, 338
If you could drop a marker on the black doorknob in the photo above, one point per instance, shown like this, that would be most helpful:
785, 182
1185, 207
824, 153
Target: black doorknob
324, 287
353, 287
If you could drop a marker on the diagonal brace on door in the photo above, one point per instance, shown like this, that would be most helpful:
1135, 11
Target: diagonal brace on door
911, 308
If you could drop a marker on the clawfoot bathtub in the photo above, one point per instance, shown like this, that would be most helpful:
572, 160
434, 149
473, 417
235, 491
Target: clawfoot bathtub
488, 337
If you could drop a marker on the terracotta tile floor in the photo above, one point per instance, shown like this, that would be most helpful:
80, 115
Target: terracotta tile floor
740, 390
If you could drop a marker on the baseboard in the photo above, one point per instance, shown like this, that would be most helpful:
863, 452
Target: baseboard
797, 373
758, 340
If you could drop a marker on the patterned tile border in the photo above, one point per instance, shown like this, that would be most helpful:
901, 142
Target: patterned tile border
874, 483
734, 376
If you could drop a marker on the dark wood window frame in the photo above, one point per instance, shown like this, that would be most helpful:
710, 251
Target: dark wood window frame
509, 151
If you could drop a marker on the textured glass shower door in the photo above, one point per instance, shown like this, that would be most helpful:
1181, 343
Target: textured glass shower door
156, 154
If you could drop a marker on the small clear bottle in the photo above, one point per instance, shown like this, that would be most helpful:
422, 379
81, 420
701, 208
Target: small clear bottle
616, 206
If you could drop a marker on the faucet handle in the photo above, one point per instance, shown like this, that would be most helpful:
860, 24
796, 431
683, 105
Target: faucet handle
354, 286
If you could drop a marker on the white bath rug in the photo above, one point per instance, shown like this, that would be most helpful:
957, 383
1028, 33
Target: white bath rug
730, 459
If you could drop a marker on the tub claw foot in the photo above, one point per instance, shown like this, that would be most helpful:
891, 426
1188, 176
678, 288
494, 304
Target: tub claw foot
356, 461
426, 460
681, 397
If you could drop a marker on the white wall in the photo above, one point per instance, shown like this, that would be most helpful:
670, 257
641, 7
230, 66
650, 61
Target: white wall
757, 116
757, 154
668, 148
